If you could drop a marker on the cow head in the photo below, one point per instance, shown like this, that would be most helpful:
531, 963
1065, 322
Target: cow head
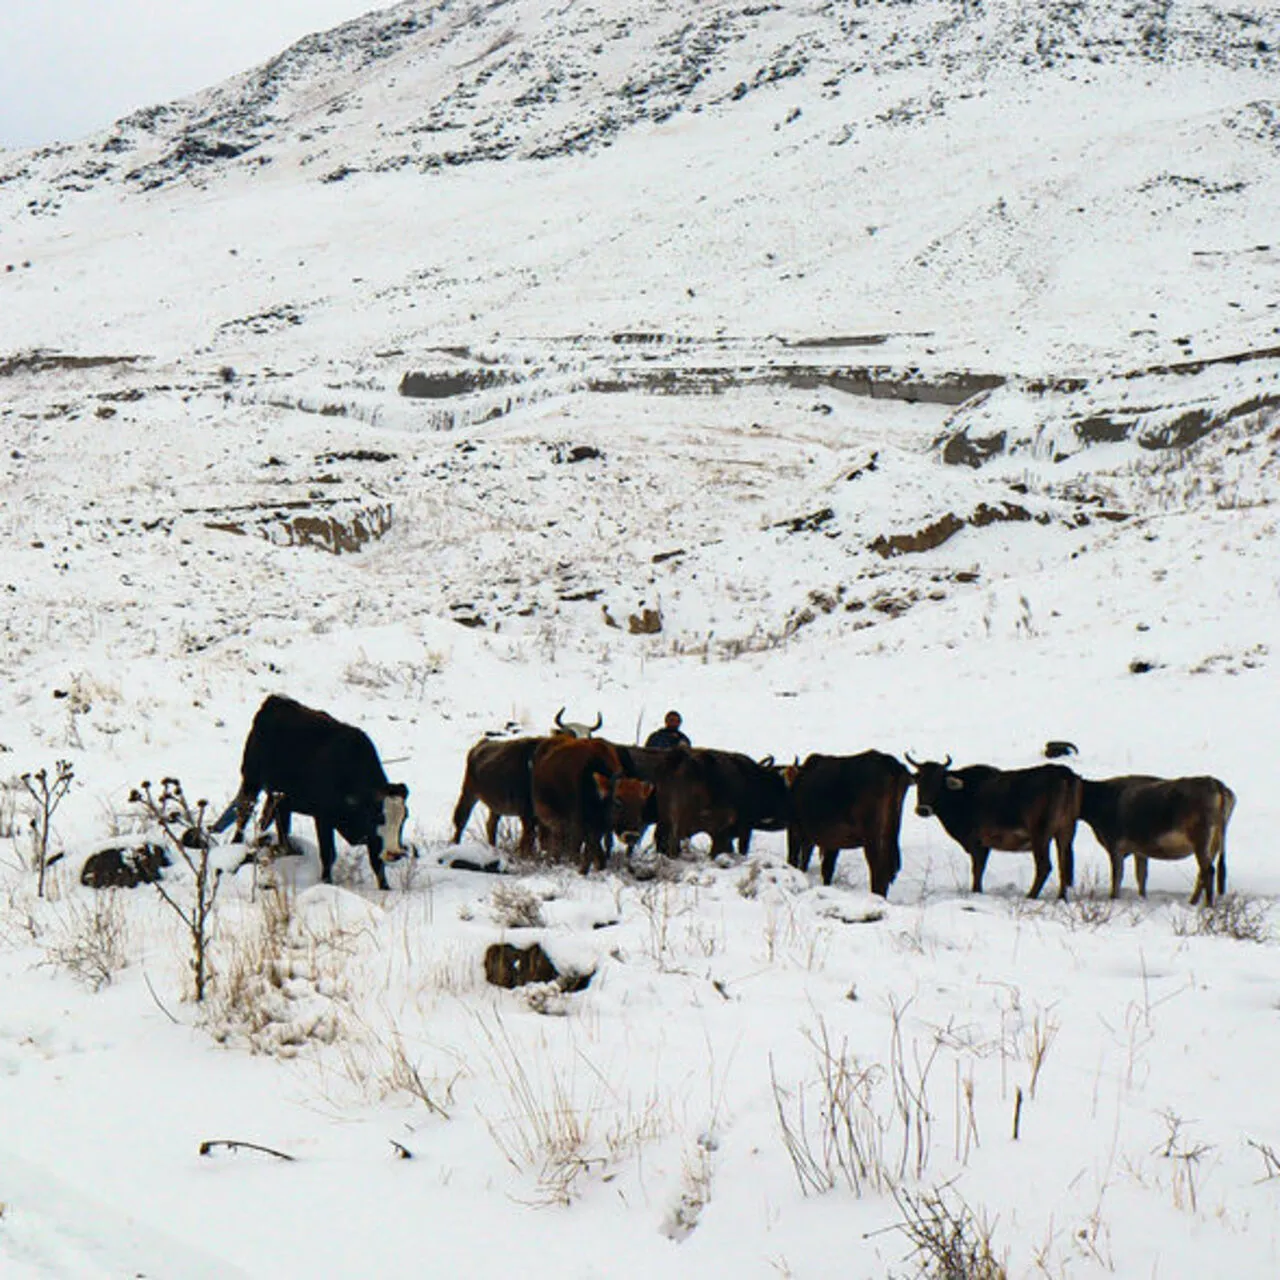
932, 781
627, 799
573, 728
390, 812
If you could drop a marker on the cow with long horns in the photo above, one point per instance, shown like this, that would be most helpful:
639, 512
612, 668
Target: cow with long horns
983, 808
575, 728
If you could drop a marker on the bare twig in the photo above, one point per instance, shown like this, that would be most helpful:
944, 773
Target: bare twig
234, 1144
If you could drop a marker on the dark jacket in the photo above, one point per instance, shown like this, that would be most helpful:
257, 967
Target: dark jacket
664, 739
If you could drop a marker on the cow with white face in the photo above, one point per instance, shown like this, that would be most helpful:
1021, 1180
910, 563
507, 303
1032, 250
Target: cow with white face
310, 763
573, 728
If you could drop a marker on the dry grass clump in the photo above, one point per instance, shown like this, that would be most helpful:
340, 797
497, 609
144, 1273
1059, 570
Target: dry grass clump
90, 939
562, 1125
949, 1239
1232, 916
281, 985
516, 907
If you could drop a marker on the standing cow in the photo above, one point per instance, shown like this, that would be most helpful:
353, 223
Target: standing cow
1163, 818
724, 793
1015, 810
498, 773
849, 802
310, 763
581, 796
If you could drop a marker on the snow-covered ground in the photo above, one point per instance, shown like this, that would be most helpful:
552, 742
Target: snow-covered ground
549, 317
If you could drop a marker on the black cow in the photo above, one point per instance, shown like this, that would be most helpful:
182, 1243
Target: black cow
724, 793
498, 772
849, 802
1163, 818
1015, 809
310, 763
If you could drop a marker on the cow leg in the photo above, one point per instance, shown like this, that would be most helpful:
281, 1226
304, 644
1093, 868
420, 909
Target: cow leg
1043, 867
879, 874
1204, 879
245, 803
284, 821
527, 825
1063, 842
1117, 870
379, 869
744, 841
829, 857
490, 828
328, 854
1140, 871
802, 856
979, 859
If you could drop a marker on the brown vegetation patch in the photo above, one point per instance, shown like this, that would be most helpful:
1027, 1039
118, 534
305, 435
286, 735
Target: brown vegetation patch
947, 526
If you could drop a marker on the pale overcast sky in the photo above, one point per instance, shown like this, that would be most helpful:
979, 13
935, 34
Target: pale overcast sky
71, 67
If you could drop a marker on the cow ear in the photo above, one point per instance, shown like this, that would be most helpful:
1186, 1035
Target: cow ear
604, 785
954, 783
646, 789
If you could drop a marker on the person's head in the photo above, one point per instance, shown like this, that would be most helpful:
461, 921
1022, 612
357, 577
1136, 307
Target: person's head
672, 720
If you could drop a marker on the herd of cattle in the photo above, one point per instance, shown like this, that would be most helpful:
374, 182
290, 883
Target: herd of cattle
572, 793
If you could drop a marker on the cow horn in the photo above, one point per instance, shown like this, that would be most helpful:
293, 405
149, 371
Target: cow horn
766, 762
946, 764
560, 717
599, 721
915, 764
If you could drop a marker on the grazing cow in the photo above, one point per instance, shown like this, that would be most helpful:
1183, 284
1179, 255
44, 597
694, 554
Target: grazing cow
1163, 818
497, 772
724, 793
647, 764
310, 763
1015, 810
581, 796
573, 728
848, 802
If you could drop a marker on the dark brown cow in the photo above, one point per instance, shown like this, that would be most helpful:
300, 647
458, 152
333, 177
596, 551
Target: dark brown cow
1163, 818
1011, 809
581, 796
724, 793
848, 802
497, 773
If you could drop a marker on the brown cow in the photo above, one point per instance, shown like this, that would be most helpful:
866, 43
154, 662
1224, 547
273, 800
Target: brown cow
725, 793
497, 773
1163, 818
848, 802
581, 797
1015, 809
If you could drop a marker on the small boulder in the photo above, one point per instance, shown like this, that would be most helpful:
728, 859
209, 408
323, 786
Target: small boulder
122, 867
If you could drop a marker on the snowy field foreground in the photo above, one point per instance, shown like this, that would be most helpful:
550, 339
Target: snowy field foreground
900, 376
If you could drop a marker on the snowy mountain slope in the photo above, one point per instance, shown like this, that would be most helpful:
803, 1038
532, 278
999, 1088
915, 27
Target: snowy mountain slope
911, 368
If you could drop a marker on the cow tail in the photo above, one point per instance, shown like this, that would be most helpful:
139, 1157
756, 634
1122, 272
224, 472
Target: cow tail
1227, 806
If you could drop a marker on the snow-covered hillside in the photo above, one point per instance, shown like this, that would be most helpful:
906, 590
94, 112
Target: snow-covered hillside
900, 375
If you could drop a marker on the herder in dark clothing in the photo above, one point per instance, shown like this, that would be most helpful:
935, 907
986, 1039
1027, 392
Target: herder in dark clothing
669, 735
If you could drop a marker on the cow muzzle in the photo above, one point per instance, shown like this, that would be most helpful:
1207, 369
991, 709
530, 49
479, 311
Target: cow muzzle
391, 829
